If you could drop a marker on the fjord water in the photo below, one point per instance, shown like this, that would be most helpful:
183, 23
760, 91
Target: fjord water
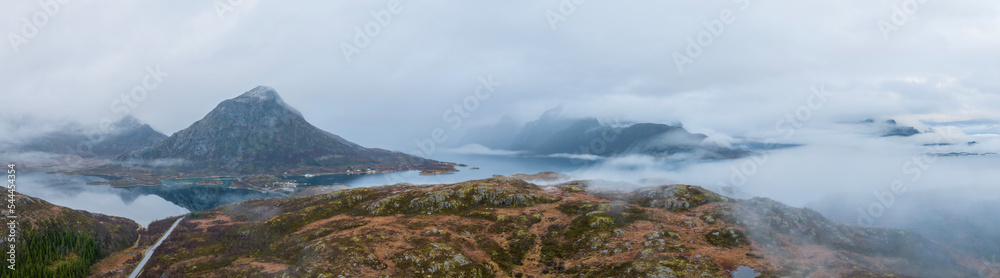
145, 204
73, 192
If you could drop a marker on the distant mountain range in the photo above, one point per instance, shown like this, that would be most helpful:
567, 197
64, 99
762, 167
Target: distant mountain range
553, 134
258, 133
94, 142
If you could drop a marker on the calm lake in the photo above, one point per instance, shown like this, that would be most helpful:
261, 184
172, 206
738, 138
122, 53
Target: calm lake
176, 197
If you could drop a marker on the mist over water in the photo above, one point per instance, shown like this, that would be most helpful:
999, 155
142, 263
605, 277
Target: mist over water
947, 193
841, 159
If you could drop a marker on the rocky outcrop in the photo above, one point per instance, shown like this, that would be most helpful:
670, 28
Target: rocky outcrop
890, 128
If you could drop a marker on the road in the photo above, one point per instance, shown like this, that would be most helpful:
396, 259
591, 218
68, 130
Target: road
149, 253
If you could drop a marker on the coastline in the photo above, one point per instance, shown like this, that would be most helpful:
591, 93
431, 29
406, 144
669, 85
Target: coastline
123, 177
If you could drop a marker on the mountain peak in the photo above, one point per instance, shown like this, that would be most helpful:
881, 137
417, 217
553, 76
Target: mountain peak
257, 133
263, 93
128, 121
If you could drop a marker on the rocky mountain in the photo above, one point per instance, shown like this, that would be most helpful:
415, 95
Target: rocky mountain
95, 142
895, 129
130, 135
509, 227
588, 136
890, 127
258, 133
533, 133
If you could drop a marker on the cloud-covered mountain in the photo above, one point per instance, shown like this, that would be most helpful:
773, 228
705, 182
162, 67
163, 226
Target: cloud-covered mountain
554, 134
104, 141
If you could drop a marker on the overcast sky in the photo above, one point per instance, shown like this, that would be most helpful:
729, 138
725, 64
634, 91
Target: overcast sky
931, 60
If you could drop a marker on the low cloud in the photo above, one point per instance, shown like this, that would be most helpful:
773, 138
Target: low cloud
480, 150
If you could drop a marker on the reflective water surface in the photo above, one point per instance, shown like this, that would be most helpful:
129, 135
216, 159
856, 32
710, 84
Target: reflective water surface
146, 204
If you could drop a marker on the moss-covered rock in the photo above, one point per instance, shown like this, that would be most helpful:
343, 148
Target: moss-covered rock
572, 189
592, 231
726, 212
665, 266
507, 257
510, 223
727, 237
353, 256
461, 197
662, 242
676, 198
437, 259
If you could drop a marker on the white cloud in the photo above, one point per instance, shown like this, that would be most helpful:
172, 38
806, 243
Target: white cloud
608, 59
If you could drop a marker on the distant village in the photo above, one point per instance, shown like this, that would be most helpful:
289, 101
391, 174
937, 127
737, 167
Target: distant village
366, 171
271, 183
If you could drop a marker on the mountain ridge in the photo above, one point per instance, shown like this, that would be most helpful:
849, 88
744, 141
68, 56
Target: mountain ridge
258, 133
555, 134
105, 141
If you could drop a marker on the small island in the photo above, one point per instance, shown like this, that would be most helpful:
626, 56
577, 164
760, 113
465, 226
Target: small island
209, 182
264, 184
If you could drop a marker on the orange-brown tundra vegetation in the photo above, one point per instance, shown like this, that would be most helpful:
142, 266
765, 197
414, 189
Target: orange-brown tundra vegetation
509, 227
